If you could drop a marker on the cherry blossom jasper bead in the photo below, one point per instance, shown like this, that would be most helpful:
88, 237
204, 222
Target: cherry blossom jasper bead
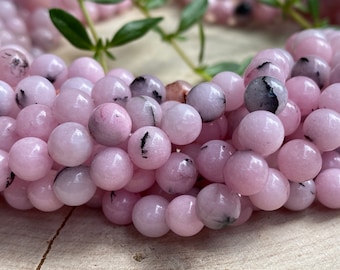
246, 172
34, 90
327, 185
7, 99
217, 206
29, 159
148, 85
216, 129
290, 117
111, 169
70, 144
211, 159
16, 194
266, 93
79, 83
6, 176
117, 206
274, 194
86, 67
149, 147
261, 131
8, 135
178, 174
181, 216
41, 194
122, 73
246, 211
330, 97
73, 186
208, 99
110, 124
182, 123
322, 127
141, 180
110, 89
299, 160
330, 159
301, 195
148, 216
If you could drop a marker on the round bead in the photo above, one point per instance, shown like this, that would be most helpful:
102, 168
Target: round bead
328, 188
148, 216
148, 85
7, 99
86, 67
16, 195
301, 195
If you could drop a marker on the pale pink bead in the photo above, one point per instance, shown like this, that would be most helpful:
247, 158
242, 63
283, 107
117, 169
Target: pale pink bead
86, 67
301, 195
96, 199
7, 99
70, 144
122, 73
234, 118
330, 97
117, 206
149, 147
148, 216
106, 11
79, 83
290, 117
211, 159
16, 195
330, 159
92, 10
214, 130
246, 211
111, 169
304, 92
328, 188
6, 176
274, 194
8, 135
191, 150
181, 216
110, 124
261, 131
36, 120
141, 180
41, 195
217, 206
322, 127
73, 105
233, 87
155, 189
73, 186
246, 172
29, 159
299, 160
178, 174
176, 120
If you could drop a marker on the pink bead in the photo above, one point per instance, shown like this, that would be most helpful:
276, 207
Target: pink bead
70, 144
328, 188
110, 124
36, 120
8, 135
117, 206
181, 216
41, 195
141, 180
299, 160
73, 186
79, 83
246, 172
214, 130
290, 117
211, 159
304, 92
330, 159
111, 169
29, 159
178, 174
233, 87
86, 67
246, 211
261, 132
6, 176
123, 74
96, 199
148, 216
149, 147
301, 195
330, 97
217, 206
176, 120
7, 99
274, 194
16, 195
322, 127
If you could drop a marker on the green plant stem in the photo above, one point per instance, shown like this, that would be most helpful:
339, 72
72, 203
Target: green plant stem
199, 71
90, 24
299, 19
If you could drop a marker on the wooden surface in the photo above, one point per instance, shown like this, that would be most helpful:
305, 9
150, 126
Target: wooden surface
81, 238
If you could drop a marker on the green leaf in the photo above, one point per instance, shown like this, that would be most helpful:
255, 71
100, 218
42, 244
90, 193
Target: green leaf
191, 14
106, 2
71, 28
273, 3
153, 4
313, 8
202, 42
133, 30
228, 66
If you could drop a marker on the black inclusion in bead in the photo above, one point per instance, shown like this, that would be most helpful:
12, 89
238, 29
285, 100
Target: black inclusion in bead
243, 9
265, 93
148, 85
